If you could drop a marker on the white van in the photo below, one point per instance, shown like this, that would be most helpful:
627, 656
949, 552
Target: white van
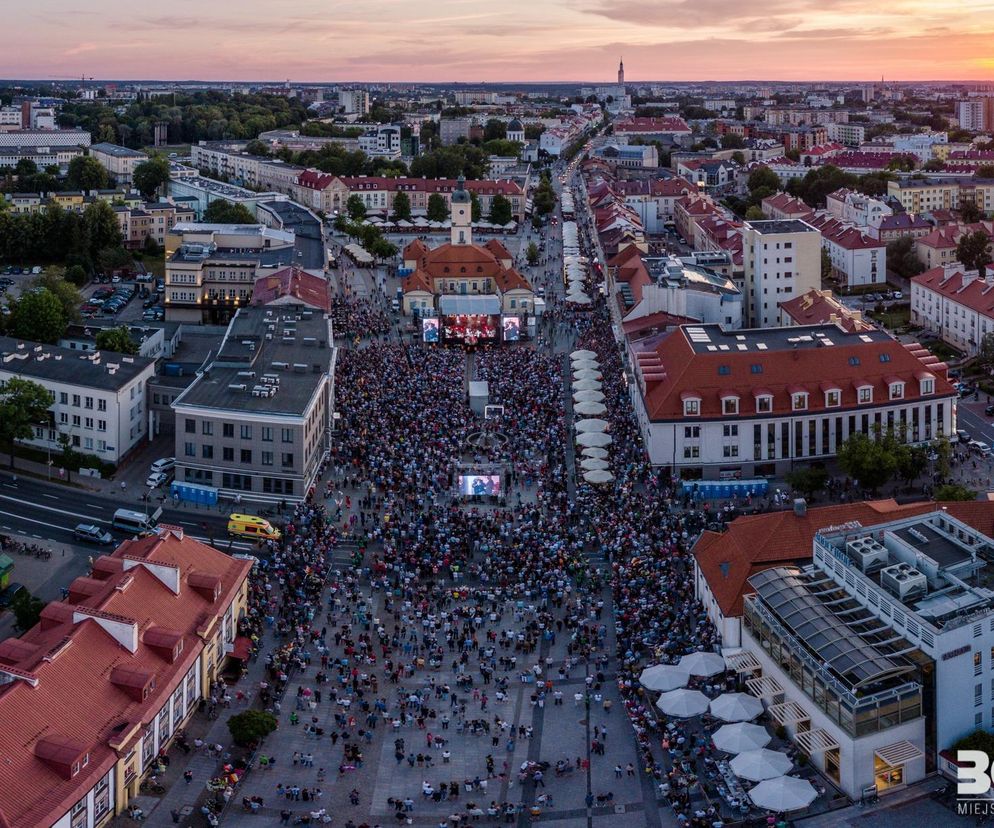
163, 464
133, 522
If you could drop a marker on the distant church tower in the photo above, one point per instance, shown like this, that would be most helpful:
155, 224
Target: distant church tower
621, 73
461, 215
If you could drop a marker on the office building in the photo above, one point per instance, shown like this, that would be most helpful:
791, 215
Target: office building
256, 422
120, 162
971, 114
781, 259
748, 403
98, 398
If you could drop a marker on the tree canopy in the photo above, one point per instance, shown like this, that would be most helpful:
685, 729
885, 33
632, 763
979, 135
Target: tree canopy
86, 173
251, 726
974, 250
902, 258
150, 175
38, 316
23, 405
116, 339
438, 210
401, 207
500, 210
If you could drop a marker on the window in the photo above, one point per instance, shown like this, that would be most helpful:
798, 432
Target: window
228, 429
267, 434
799, 402
77, 816
287, 458
190, 449
246, 432
691, 432
927, 386
228, 453
101, 425
246, 455
764, 404
88, 422
101, 798
207, 428
267, 458
287, 435
897, 390
978, 694
730, 431
191, 426
832, 398
865, 394
854, 360
730, 405
207, 451
730, 451
63, 398
885, 357
101, 405
691, 408
691, 452
756, 368
88, 402
724, 370
75, 400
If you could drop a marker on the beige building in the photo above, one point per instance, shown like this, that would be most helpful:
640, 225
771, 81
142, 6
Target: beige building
782, 259
211, 268
120, 162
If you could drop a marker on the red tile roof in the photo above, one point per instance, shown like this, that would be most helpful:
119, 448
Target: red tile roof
782, 366
947, 237
844, 235
430, 185
818, 307
786, 204
969, 291
294, 284
753, 543
460, 261
74, 701
651, 125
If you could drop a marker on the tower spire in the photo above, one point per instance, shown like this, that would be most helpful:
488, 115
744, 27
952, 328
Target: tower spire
621, 72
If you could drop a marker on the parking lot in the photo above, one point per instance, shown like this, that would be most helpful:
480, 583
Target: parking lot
124, 301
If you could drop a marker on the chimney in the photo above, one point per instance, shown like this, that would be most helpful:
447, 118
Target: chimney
800, 506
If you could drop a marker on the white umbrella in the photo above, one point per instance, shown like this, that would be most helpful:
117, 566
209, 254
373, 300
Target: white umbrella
596, 453
760, 764
703, 664
586, 373
785, 793
683, 703
583, 353
588, 396
664, 677
578, 298
736, 707
586, 365
510, 225
589, 439
598, 476
590, 409
591, 424
740, 737
594, 464
586, 385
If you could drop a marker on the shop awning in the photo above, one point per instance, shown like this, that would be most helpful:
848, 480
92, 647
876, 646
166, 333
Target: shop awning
241, 648
453, 304
815, 741
898, 753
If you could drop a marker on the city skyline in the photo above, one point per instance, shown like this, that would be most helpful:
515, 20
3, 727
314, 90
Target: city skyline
562, 41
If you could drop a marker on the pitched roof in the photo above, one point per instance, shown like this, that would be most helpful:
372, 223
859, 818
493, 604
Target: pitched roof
753, 543
666, 124
967, 290
817, 307
293, 283
76, 685
787, 204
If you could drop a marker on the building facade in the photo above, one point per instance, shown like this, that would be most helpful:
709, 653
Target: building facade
120, 162
781, 259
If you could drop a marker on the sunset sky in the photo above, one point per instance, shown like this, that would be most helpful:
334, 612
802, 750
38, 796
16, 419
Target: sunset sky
513, 40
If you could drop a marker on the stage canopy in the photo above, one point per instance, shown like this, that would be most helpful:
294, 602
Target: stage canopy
456, 304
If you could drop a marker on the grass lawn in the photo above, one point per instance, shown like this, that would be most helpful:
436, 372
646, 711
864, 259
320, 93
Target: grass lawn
894, 318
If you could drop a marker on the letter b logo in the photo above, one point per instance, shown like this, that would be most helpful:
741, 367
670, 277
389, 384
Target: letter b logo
972, 772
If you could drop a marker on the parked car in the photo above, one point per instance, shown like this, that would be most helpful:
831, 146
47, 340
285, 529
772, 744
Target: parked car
156, 479
963, 435
979, 446
898, 294
8, 595
163, 464
989, 411
92, 534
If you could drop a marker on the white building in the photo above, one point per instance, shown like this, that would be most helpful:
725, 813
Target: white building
970, 114
856, 258
381, 142
98, 398
856, 208
45, 138
955, 305
754, 402
852, 135
354, 101
782, 259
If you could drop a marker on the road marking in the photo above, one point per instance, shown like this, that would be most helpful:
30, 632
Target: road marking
37, 536
39, 522
187, 523
53, 497
50, 509
93, 506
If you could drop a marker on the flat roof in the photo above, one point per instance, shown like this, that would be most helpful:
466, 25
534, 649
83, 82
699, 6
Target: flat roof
286, 346
102, 370
117, 151
713, 339
781, 226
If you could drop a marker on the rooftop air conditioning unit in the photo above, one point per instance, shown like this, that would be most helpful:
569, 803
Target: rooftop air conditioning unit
904, 581
867, 553
237, 386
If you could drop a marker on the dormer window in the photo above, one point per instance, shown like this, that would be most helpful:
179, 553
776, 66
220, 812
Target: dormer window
764, 404
799, 401
729, 405
692, 407
865, 394
926, 386
896, 390
833, 398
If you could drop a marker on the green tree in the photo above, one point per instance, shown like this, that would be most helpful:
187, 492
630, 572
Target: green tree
867, 460
70, 459
65, 291
739, 158
76, 274
86, 173
954, 491
382, 249
500, 210
27, 610
978, 740
494, 129
808, 480
116, 339
101, 227
23, 405
754, 213
250, 727
475, 209
934, 165
763, 177
38, 316
532, 253
401, 207
974, 251
150, 175
224, 212
25, 167
985, 171
257, 147
356, 208
732, 141
902, 258
438, 210
969, 212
